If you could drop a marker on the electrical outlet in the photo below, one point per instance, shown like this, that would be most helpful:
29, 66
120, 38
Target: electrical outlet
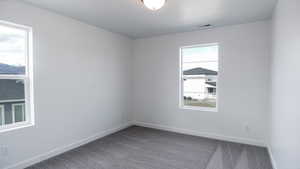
247, 128
3, 150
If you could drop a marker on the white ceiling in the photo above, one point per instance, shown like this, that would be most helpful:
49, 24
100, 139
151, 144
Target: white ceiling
129, 17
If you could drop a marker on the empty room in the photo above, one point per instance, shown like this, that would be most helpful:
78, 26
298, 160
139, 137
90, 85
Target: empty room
149, 84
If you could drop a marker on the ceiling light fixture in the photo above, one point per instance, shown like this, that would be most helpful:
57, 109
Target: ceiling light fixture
154, 4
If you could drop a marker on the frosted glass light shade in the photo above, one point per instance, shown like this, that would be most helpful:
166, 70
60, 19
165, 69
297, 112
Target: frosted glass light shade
154, 4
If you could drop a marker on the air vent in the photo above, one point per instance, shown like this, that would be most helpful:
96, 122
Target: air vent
207, 26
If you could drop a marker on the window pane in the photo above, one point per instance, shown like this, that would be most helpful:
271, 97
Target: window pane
1, 116
19, 113
200, 71
11, 92
198, 93
12, 50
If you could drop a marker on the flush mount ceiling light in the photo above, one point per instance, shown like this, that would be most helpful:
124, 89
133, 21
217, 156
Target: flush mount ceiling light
154, 4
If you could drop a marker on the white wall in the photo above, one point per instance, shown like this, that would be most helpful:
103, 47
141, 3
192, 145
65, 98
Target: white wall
285, 113
73, 56
242, 87
81, 80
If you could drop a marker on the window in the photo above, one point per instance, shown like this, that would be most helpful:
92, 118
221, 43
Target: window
18, 112
199, 77
15, 76
2, 120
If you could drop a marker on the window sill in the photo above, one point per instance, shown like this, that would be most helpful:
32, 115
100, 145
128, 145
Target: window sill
15, 126
203, 109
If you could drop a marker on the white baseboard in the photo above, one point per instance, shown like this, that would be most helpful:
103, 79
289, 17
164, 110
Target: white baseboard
60, 150
202, 134
272, 157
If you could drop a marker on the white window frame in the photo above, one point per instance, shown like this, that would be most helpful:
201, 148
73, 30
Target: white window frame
181, 85
27, 78
2, 114
13, 111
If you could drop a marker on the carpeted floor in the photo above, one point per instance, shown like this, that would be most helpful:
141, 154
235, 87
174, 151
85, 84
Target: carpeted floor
144, 148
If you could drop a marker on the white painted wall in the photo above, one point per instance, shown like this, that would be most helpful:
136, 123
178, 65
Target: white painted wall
285, 114
73, 56
81, 80
242, 87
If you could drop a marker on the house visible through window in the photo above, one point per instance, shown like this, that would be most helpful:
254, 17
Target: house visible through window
199, 75
15, 79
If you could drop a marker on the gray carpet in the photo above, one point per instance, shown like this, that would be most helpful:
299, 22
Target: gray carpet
144, 148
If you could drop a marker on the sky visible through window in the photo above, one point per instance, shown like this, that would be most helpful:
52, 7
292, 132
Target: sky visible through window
206, 57
12, 46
